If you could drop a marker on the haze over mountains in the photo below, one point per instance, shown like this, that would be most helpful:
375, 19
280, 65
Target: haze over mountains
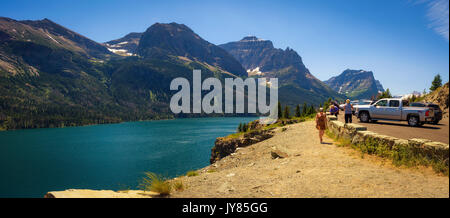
51, 76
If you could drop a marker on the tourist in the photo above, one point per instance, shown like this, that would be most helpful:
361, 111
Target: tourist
321, 123
334, 110
348, 108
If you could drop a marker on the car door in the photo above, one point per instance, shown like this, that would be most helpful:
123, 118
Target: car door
379, 110
393, 111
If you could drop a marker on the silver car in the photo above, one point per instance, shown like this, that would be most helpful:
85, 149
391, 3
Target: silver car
394, 109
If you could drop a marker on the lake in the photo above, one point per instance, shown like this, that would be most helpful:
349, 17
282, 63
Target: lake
109, 156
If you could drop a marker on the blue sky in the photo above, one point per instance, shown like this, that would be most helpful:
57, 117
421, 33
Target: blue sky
404, 42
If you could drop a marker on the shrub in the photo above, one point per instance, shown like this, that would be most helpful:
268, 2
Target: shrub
191, 173
156, 183
178, 185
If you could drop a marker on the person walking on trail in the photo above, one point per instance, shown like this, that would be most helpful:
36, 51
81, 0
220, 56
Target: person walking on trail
321, 123
348, 108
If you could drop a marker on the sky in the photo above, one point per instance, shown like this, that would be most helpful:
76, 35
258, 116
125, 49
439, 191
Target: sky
404, 42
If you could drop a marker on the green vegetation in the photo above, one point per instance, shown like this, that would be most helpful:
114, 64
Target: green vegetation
211, 171
400, 156
437, 82
385, 94
243, 127
280, 113
156, 183
298, 112
286, 114
191, 173
178, 185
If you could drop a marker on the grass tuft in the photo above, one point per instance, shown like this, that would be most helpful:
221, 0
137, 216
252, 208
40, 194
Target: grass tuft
178, 185
191, 173
156, 183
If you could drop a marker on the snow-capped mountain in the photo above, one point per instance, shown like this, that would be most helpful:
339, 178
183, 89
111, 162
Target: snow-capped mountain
125, 46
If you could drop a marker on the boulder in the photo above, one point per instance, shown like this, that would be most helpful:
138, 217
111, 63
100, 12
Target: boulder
278, 154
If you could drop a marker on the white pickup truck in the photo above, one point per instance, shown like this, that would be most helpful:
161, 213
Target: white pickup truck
394, 109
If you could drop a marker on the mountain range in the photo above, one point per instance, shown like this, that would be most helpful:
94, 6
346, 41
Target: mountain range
296, 83
356, 84
51, 76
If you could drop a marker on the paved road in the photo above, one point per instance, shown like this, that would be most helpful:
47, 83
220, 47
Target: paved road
397, 129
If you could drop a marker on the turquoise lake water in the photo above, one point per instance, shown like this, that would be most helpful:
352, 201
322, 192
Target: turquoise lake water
110, 156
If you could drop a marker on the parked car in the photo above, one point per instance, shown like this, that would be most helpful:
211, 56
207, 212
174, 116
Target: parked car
435, 107
360, 103
395, 109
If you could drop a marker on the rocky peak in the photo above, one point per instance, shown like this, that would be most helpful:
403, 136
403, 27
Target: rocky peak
355, 83
173, 39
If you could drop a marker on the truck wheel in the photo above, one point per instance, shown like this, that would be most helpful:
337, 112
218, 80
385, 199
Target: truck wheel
413, 121
364, 117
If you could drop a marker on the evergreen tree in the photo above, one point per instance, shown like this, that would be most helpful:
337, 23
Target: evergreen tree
240, 127
385, 94
311, 110
298, 113
286, 114
305, 109
245, 127
437, 82
280, 115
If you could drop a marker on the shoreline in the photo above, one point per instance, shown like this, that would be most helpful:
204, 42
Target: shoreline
129, 121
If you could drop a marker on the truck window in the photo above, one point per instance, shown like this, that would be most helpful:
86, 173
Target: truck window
394, 103
405, 103
382, 103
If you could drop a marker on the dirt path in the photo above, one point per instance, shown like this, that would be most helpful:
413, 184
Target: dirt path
401, 130
311, 170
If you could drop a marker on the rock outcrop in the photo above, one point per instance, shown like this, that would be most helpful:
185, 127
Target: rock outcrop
225, 146
441, 97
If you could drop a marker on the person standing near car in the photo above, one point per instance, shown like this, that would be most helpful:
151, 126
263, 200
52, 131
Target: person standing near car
348, 108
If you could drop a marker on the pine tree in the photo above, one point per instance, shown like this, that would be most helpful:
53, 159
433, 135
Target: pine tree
245, 127
240, 127
437, 82
280, 115
311, 110
385, 94
305, 109
298, 113
286, 114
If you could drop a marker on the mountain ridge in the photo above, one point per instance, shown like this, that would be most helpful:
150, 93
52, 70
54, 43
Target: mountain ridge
262, 59
355, 84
